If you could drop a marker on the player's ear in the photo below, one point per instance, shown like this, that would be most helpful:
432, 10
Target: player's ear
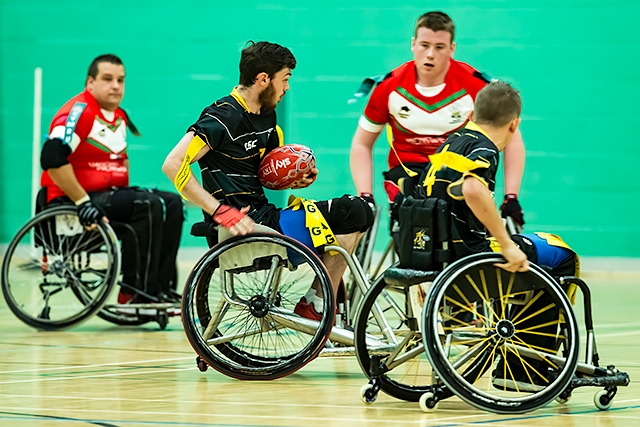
513, 126
471, 115
262, 79
453, 48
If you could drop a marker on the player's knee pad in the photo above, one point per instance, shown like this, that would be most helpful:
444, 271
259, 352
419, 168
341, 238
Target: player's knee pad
349, 214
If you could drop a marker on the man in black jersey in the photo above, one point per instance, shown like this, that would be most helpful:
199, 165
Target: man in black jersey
462, 172
229, 140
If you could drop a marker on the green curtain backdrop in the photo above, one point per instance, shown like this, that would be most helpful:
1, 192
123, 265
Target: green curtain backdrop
575, 63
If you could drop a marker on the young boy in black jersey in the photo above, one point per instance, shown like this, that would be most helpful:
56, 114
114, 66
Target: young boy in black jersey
462, 172
229, 140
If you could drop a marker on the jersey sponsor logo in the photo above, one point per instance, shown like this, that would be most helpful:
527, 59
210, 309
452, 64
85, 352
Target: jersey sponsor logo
427, 140
275, 165
72, 121
404, 112
108, 167
249, 145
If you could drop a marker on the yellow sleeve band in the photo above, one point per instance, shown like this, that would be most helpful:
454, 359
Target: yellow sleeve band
184, 173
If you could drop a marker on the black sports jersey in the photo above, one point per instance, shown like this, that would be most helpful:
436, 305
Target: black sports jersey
237, 139
468, 233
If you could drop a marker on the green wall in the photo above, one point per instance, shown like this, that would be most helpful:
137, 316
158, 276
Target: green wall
575, 62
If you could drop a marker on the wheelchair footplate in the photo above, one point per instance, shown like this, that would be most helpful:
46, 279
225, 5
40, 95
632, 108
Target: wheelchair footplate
159, 312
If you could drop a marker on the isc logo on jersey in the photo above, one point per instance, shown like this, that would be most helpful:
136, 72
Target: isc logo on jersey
250, 145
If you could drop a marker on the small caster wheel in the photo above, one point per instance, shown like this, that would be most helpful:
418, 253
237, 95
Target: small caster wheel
602, 400
163, 320
564, 397
368, 394
202, 365
428, 402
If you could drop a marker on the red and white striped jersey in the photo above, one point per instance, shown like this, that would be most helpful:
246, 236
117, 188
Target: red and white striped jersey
421, 118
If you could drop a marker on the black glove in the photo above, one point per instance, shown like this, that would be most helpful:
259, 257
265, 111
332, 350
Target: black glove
511, 208
368, 197
90, 213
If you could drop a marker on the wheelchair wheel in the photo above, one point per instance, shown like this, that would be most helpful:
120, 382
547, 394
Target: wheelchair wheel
55, 273
519, 326
388, 343
238, 306
383, 326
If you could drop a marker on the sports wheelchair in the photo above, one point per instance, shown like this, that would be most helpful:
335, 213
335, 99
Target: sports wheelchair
239, 301
466, 329
55, 273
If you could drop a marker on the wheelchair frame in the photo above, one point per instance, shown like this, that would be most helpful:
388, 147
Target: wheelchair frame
68, 273
392, 351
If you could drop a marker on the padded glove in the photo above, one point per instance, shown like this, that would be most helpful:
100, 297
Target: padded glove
511, 208
90, 213
227, 216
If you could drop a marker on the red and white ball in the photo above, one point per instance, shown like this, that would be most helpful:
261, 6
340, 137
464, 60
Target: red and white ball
284, 165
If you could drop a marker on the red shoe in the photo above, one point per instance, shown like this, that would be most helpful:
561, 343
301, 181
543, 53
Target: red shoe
125, 297
307, 310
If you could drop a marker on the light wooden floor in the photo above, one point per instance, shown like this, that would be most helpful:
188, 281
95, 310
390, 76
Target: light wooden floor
100, 374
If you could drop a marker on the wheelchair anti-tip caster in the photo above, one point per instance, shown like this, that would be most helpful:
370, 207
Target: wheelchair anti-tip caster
163, 319
428, 402
604, 398
564, 397
369, 393
202, 365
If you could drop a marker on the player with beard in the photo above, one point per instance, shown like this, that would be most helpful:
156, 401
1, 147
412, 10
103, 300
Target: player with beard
229, 140
424, 101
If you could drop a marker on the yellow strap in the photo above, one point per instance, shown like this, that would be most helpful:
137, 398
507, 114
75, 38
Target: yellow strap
454, 161
321, 233
390, 139
184, 173
280, 136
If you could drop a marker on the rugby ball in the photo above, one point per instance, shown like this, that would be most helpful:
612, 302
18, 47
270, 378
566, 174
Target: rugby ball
284, 165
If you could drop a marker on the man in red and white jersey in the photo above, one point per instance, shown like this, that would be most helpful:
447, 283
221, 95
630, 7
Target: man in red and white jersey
85, 160
423, 101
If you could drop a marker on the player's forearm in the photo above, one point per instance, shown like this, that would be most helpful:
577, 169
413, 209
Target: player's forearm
66, 180
361, 163
361, 160
514, 159
478, 198
192, 189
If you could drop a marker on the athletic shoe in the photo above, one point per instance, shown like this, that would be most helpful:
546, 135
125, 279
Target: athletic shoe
125, 297
307, 311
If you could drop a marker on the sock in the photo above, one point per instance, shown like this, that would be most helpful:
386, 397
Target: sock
311, 293
318, 302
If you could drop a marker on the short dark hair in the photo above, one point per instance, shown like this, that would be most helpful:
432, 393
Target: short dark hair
497, 104
263, 57
435, 21
109, 57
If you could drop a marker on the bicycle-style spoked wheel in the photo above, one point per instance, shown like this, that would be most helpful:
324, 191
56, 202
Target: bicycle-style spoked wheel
520, 326
56, 273
239, 301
